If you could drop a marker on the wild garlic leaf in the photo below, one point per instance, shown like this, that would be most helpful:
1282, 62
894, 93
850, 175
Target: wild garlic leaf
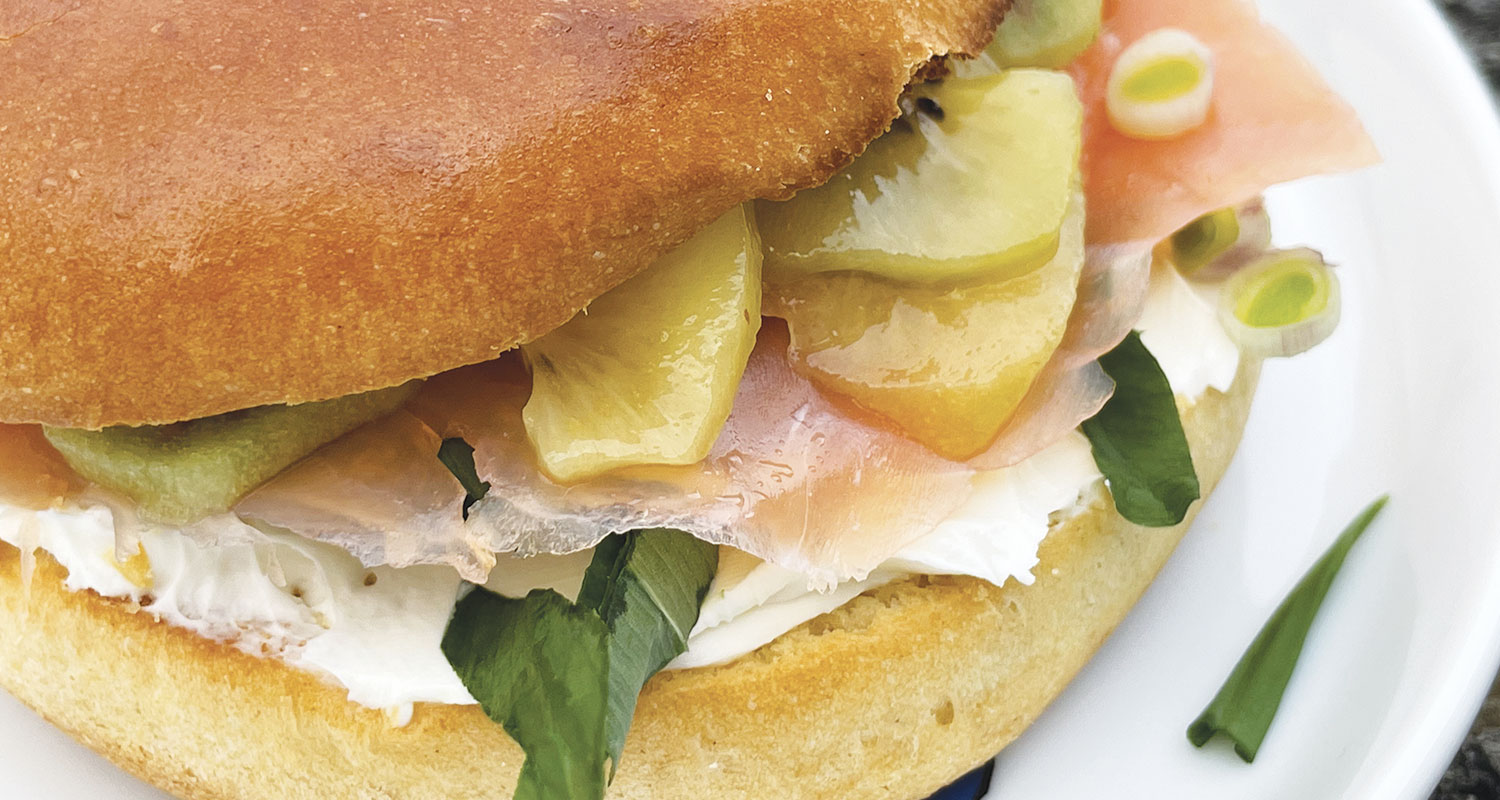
458, 456
1245, 706
539, 666
563, 678
1138, 440
647, 587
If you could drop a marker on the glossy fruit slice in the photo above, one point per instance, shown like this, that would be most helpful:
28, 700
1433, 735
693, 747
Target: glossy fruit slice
972, 183
1045, 33
948, 366
32, 474
646, 374
183, 472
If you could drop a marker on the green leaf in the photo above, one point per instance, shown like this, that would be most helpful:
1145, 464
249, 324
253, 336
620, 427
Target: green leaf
1138, 440
648, 587
458, 457
540, 668
563, 678
1245, 706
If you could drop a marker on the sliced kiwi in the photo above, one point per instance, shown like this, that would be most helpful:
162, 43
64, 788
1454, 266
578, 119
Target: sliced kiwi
1046, 33
185, 471
972, 183
648, 374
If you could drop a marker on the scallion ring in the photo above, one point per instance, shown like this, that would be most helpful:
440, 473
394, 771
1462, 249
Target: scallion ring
1161, 86
1205, 239
1281, 304
1216, 244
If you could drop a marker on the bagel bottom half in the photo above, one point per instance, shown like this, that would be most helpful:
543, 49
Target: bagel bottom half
891, 696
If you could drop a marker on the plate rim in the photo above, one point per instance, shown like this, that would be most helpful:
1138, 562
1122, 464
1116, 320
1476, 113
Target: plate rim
1452, 708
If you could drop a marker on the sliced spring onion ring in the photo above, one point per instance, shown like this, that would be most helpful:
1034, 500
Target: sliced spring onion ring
1213, 246
1161, 86
1281, 304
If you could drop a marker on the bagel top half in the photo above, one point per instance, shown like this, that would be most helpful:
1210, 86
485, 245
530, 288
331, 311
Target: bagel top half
206, 207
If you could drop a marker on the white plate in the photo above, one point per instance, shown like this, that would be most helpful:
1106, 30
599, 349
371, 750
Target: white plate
1403, 398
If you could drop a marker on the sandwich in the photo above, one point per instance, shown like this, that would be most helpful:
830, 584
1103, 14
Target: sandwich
654, 399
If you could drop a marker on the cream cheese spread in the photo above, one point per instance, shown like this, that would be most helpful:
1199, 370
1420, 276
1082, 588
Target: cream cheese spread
377, 632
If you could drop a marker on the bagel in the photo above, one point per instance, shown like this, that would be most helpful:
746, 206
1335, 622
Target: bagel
234, 209
846, 705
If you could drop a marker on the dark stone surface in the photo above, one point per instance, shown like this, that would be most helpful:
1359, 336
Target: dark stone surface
1479, 22
1472, 774
1475, 771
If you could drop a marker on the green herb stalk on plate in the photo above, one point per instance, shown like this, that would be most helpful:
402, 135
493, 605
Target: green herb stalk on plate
1245, 706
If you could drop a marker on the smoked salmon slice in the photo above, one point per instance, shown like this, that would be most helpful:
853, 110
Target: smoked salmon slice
1273, 120
792, 479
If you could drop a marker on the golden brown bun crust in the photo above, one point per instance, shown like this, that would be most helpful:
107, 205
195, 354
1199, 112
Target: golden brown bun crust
891, 696
207, 207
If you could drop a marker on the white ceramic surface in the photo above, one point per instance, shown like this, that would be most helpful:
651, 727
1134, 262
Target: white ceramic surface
1402, 398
